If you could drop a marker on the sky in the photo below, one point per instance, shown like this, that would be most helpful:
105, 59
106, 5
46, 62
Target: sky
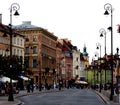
77, 20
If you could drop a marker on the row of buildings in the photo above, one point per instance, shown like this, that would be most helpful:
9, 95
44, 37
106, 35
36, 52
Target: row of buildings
103, 67
47, 57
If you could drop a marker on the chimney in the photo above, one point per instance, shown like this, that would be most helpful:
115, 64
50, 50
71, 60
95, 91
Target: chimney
27, 22
0, 18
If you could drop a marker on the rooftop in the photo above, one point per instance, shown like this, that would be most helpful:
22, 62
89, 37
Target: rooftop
25, 25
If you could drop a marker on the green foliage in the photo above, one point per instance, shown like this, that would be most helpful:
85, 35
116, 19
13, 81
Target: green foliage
11, 66
93, 76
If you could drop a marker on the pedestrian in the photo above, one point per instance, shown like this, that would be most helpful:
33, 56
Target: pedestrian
54, 86
28, 88
46, 86
32, 88
3, 89
60, 84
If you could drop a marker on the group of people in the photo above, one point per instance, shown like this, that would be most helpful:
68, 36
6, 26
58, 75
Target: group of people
31, 86
5, 88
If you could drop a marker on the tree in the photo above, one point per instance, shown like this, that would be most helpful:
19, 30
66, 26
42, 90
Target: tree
11, 66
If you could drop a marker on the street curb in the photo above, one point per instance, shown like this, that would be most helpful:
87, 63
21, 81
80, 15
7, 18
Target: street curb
102, 97
20, 103
36, 93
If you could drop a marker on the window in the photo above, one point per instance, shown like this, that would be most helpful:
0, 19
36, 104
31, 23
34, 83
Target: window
14, 51
26, 49
62, 63
26, 62
34, 38
18, 41
34, 49
21, 42
34, 63
18, 52
14, 40
27, 39
77, 59
77, 67
21, 53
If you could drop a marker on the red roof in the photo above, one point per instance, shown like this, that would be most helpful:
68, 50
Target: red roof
2, 26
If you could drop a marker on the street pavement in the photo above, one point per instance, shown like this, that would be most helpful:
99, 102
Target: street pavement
4, 99
66, 97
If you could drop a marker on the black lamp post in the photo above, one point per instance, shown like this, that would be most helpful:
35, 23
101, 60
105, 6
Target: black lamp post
99, 47
93, 67
40, 78
14, 7
97, 67
117, 76
103, 34
108, 7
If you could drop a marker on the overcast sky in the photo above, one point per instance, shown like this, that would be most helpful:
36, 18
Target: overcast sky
77, 20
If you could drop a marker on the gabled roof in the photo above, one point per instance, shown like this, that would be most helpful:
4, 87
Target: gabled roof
2, 26
6, 29
59, 45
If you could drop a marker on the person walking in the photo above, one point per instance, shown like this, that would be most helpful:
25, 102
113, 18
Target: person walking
60, 84
28, 88
32, 88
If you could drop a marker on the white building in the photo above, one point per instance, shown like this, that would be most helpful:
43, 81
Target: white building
76, 62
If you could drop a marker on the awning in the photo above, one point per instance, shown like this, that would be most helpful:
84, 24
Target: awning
81, 82
6, 79
25, 78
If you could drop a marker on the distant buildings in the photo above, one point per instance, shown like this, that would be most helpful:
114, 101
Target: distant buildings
46, 58
17, 41
105, 67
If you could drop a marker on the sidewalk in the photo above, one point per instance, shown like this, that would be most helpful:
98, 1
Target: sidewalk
105, 98
4, 99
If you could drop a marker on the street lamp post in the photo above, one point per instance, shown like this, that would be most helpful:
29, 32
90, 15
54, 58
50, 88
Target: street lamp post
117, 76
117, 67
94, 74
14, 7
93, 67
99, 47
103, 34
108, 7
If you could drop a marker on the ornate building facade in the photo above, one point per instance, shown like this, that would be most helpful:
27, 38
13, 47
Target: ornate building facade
40, 52
66, 60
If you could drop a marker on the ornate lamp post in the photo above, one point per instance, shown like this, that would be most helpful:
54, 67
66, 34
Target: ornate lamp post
117, 76
14, 7
103, 34
93, 67
108, 7
99, 47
